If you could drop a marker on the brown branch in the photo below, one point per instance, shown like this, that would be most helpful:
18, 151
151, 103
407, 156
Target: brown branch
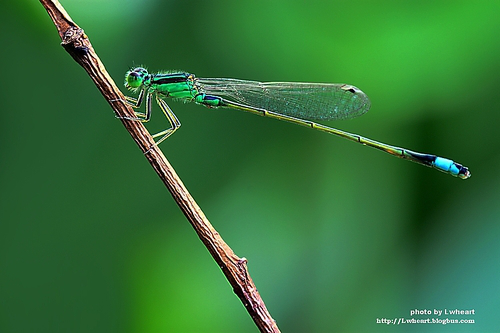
77, 44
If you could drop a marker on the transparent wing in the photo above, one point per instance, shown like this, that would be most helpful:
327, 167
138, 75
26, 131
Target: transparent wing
313, 101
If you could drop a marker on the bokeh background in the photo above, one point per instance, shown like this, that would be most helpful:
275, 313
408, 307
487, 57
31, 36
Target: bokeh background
337, 235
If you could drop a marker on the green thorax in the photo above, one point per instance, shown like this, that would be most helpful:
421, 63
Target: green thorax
176, 85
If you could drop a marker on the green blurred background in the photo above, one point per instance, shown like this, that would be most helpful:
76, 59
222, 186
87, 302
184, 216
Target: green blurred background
336, 234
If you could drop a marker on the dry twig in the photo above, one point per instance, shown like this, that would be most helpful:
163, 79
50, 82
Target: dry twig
77, 44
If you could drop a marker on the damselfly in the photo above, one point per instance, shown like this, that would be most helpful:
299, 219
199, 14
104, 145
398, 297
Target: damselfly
299, 103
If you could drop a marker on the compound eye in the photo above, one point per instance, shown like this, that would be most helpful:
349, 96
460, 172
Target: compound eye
135, 77
141, 71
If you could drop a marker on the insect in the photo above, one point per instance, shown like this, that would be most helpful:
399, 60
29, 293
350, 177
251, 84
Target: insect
299, 103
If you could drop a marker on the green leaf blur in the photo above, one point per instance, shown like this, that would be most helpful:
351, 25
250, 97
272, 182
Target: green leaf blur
337, 235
